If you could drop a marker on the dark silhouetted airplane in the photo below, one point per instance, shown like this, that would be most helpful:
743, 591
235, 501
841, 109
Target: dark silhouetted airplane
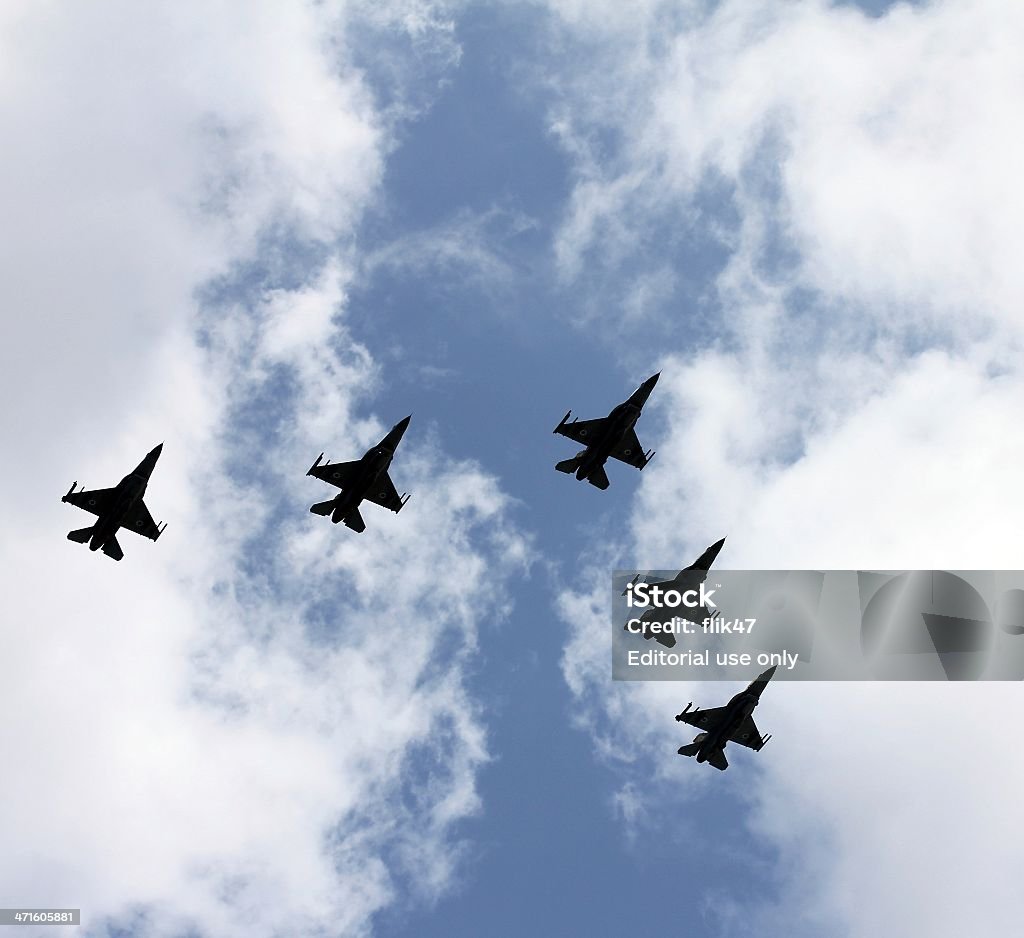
612, 436
688, 579
362, 478
732, 723
118, 507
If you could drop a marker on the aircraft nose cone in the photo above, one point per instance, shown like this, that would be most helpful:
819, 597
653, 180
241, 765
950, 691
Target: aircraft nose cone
402, 426
705, 560
149, 460
644, 391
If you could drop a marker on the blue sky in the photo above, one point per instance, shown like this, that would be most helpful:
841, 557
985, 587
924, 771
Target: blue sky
261, 233
549, 852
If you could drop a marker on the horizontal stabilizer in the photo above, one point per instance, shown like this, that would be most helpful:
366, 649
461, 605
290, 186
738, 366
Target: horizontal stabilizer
691, 749
598, 477
322, 508
113, 549
568, 465
81, 536
354, 520
718, 760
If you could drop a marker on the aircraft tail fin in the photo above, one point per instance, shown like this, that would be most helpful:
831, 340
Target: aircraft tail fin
113, 549
322, 508
691, 749
568, 465
354, 520
81, 536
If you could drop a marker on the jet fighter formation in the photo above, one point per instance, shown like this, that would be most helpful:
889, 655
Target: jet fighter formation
367, 479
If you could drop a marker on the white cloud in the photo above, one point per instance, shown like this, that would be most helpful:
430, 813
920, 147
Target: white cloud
890, 162
260, 724
919, 475
854, 407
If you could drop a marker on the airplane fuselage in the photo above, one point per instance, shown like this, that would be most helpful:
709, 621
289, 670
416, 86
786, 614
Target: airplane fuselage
737, 710
126, 493
374, 461
620, 421
684, 580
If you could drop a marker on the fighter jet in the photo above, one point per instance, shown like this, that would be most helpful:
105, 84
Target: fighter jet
729, 724
362, 478
607, 436
119, 507
688, 579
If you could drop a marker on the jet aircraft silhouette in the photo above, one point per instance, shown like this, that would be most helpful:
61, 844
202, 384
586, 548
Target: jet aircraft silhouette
611, 436
362, 478
688, 579
732, 723
118, 507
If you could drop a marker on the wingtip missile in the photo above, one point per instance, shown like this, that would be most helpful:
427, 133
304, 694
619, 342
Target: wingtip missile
562, 422
679, 717
309, 471
71, 491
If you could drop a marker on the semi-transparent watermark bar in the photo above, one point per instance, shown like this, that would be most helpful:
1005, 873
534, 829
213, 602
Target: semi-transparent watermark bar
818, 625
39, 917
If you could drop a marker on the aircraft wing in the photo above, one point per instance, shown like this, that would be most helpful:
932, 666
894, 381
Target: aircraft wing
340, 474
629, 450
704, 718
141, 521
383, 493
96, 501
747, 735
582, 431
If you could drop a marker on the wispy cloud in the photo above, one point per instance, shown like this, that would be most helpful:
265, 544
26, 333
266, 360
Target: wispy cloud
472, 244
261, 724
848, 403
